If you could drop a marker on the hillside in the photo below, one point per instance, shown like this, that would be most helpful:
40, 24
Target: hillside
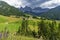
52, 14
18, 25
8, 10
13, 24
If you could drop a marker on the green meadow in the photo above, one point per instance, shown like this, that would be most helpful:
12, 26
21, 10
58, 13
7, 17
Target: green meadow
12, 24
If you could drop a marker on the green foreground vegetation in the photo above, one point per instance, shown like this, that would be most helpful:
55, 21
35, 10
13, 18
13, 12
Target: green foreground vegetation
12, 28
16, 25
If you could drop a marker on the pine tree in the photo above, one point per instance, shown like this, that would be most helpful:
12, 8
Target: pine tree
58, 31
42, 29
24, 27
53, 34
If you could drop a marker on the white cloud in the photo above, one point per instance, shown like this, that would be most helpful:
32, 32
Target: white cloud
33, 3
30, 3
15, 3
51, 4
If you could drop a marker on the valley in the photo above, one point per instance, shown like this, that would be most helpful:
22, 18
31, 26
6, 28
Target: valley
29, 24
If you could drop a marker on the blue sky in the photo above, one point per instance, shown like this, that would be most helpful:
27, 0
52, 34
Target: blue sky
34, 3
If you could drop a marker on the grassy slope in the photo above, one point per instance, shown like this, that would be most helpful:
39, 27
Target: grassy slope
13, 24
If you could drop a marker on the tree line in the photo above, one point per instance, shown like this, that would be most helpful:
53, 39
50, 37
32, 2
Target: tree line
46, 30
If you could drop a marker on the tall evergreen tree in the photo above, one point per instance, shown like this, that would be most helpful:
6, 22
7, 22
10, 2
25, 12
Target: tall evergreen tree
53, 34
58, 31
42, 29
24, 27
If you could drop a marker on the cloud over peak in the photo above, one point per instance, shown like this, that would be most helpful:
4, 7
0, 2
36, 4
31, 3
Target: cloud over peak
34, 3
51, 4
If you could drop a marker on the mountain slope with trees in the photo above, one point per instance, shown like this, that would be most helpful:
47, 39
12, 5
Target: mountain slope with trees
52, 14
8, 10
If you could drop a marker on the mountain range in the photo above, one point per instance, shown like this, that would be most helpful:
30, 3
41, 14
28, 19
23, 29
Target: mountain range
8, 10
52, 13
34, 11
